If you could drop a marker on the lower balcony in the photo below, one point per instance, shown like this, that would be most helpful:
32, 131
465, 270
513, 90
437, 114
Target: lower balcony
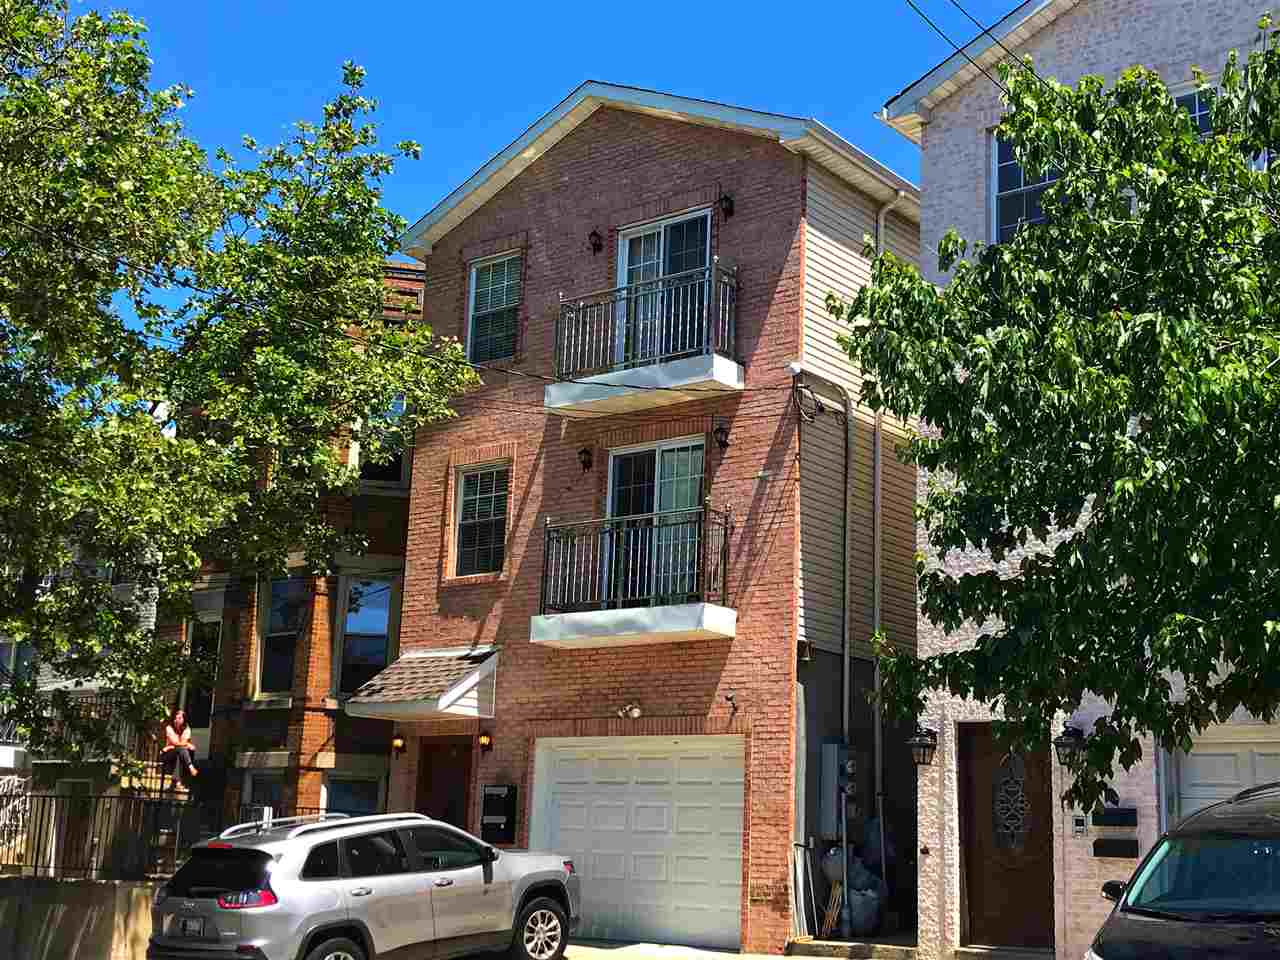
647, 579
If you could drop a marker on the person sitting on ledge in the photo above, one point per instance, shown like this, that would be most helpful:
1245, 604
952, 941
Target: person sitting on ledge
177, 749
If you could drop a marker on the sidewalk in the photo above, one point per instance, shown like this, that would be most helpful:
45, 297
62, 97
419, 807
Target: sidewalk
620, 950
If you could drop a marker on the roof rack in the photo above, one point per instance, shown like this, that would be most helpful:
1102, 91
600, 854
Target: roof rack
354, 821
258, 826
1261, 788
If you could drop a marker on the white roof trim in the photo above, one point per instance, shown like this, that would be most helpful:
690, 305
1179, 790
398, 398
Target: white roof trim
549, 129
466, 685
475, 651
909, 110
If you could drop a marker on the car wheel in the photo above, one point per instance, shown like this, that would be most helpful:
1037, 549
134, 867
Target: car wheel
339, 948
542, 933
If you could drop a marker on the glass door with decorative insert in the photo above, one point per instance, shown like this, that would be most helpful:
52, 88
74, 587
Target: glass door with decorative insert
663, 268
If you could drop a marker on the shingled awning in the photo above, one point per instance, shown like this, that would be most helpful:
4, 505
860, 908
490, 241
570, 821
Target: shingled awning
431, 685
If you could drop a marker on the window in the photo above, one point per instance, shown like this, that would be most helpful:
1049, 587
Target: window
1017, 198
1196, 103
494, 310
322, 862
198, 704
366, 632
289, 602
1211, 873
376, 855
662, 265
482, 520
354, 797
219, 869
266, 790
15, 658
445, 850
393, 472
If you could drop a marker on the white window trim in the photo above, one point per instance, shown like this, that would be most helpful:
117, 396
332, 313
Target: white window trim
364, 778
471, 293
340, 627
264, 624
655, 446
634, 230
458, 474
993, 192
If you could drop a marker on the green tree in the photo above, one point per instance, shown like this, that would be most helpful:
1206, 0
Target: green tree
182, 342
1102, 395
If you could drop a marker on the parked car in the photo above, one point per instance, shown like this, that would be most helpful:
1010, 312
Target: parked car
1209, 888
362, 888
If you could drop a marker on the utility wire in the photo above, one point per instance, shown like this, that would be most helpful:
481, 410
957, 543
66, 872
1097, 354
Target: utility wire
940, 32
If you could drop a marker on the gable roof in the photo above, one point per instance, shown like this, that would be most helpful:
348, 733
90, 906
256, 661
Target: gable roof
908, 111
801, 135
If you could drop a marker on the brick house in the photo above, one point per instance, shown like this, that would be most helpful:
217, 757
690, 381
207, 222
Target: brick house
644, 561
971, 890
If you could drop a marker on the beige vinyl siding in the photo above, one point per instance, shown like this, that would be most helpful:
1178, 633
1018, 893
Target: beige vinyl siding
822, 519
838, 221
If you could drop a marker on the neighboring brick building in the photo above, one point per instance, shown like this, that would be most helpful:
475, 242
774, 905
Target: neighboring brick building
271, 731
634, 559
971, 893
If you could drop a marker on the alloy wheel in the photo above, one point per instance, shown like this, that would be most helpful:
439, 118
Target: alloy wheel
542, 935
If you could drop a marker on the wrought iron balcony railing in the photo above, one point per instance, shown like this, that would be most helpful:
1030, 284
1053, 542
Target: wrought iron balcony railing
656, 321
654, 559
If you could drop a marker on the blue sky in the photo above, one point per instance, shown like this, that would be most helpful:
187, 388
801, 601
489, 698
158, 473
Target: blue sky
464, 79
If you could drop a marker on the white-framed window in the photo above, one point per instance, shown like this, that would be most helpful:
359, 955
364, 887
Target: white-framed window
1016, 197
1196, 103
493, 308
353, 795
367, 628
659, 262
483, 493
286, 603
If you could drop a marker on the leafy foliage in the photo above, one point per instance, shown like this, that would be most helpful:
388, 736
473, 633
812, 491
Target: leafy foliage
1102, 401
183, 345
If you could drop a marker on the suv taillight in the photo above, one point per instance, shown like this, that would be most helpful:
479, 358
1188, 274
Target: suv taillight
569, 868
248, 898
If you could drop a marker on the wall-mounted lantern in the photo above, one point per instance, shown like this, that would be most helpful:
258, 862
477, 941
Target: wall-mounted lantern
923, 746
585, 459
1069, 745
485, 740
596, 241
726, 205
397, 743
721, 435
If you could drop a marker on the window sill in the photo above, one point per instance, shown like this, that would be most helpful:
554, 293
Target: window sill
269, 701
474, 580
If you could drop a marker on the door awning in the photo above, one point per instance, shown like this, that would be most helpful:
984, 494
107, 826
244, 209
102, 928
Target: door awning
431, 685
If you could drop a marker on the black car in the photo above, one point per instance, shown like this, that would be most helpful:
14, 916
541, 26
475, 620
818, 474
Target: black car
1209, 888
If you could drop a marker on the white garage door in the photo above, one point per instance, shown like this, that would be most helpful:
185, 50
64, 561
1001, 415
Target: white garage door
1225, 760
654, 825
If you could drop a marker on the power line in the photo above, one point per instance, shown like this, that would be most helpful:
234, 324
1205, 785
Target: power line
940, 32
1000, 43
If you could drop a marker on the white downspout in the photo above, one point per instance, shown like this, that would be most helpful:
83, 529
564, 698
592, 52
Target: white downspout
877, 573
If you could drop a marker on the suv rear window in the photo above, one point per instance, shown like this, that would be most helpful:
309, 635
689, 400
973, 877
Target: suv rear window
211, 872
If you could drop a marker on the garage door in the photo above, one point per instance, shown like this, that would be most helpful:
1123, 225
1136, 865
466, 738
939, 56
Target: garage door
1225, 760
654, 825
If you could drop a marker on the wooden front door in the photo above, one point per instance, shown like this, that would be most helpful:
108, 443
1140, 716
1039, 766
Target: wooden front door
444, 779
1006, 818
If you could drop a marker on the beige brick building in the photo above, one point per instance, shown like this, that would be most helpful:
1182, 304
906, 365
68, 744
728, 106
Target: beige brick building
1027, 873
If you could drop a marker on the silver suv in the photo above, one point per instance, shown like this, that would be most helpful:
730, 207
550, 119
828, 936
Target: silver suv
337, 888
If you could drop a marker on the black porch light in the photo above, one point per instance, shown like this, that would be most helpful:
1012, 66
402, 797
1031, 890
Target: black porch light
485, 739
596, 241
1069, 745
923, 746
397, 743
721, 435
585, 458
726, 205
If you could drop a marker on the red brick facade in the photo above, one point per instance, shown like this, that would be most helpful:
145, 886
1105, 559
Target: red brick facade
620, 168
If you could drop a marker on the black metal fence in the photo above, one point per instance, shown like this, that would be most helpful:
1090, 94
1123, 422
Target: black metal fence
680, 556
102, 837
653, 321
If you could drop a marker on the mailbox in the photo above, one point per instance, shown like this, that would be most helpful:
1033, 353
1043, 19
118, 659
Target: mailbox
498, 813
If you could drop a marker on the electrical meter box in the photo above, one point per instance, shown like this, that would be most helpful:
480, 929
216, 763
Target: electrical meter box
835, 783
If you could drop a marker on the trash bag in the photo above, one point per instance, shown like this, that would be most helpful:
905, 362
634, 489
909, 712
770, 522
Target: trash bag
864, 912
860, 878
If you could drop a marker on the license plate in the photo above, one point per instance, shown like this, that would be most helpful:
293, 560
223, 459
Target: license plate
192, 926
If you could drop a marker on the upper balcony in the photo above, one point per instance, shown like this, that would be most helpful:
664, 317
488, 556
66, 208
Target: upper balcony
648, 344
651, 578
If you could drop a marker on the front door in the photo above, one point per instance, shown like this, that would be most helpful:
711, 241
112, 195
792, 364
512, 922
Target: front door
666, 295
1007, 832
444, 779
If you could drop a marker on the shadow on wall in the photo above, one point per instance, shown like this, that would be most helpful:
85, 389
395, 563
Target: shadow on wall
45, 919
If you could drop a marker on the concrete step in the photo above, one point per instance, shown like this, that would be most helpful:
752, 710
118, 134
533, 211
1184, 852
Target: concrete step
1000, 953
850, 951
